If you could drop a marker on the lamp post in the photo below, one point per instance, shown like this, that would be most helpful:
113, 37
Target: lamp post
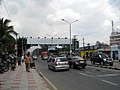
16, 46
22, 46
51, 38
70, 23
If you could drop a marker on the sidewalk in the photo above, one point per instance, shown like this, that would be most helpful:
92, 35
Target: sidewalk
22, 80
116, 65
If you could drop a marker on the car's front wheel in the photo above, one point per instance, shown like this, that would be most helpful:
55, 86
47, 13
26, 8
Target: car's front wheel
111, 64
54, 69
102, 63
93, 62
67, 69
72, 66
83, 67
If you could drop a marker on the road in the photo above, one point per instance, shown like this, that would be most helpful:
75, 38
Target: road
91, 78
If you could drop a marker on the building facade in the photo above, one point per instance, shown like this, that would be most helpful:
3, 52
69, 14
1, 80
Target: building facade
115, 45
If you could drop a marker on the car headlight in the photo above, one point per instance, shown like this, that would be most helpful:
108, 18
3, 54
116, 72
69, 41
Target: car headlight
105, 59
76, 63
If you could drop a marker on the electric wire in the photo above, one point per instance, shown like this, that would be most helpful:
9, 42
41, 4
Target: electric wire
98, 30
6, 9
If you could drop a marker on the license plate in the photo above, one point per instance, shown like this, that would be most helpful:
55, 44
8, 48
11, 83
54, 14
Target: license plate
109, 61
81, 61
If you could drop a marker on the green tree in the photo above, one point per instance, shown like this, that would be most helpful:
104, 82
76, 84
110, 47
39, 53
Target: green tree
6, 36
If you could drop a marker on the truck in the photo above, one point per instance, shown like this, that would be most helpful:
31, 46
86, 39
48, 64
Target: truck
44, 55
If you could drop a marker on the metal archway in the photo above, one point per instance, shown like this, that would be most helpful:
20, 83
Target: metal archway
31, 49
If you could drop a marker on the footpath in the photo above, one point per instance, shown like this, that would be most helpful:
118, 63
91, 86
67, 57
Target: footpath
22, 80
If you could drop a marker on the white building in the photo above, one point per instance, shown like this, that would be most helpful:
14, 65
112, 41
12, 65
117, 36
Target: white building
115, 45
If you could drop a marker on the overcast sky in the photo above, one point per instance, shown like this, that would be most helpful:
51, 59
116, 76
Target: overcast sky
37, 18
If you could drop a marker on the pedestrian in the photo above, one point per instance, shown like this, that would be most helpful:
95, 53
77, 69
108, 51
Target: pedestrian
68, 56
27, 62
19, 61
22, 58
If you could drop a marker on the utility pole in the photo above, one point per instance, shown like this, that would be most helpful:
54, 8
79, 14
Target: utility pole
112, 26
22, 47
83, 43
74, 42
70, 23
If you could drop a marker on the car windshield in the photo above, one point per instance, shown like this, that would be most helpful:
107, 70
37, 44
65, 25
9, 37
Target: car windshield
61, 59
77, 58
102, 55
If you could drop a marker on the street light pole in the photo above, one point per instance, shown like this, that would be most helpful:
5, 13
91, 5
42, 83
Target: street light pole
16, 46
22, 47
51, 38
70, 23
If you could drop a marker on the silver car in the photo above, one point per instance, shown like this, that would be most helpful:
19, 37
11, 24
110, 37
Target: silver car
58, 63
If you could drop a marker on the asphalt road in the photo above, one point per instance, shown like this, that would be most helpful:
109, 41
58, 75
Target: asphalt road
91, 78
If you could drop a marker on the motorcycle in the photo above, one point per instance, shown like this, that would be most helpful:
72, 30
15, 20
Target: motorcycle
3, 66
32, 64
13, 63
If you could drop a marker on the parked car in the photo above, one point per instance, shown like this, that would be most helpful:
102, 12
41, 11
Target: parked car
101, 58
34, 57
45, 57
62, 55
58, 63
76, 61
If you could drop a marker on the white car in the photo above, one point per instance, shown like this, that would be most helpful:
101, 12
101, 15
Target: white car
58, 63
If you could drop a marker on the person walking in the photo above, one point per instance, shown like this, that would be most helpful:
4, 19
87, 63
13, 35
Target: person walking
27, 62
19, 61
22, 58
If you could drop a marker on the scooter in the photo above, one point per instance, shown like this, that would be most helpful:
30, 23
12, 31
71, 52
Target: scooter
1, 67
32, 64
13, 63
4, 66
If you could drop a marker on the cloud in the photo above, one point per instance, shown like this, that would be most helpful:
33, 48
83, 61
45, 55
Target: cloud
37, 18
115, 3
20, 2
42, 3
13, 8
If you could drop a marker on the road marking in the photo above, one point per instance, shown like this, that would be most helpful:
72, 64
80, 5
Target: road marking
102, 80
108, 75
109, 82
41, 74
83, 74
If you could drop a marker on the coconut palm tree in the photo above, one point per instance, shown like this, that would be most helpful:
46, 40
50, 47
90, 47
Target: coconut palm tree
6, 36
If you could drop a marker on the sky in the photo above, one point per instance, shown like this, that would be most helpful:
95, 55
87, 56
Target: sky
43, 18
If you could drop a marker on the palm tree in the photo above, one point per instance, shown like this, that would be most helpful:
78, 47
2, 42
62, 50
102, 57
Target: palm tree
6, 38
